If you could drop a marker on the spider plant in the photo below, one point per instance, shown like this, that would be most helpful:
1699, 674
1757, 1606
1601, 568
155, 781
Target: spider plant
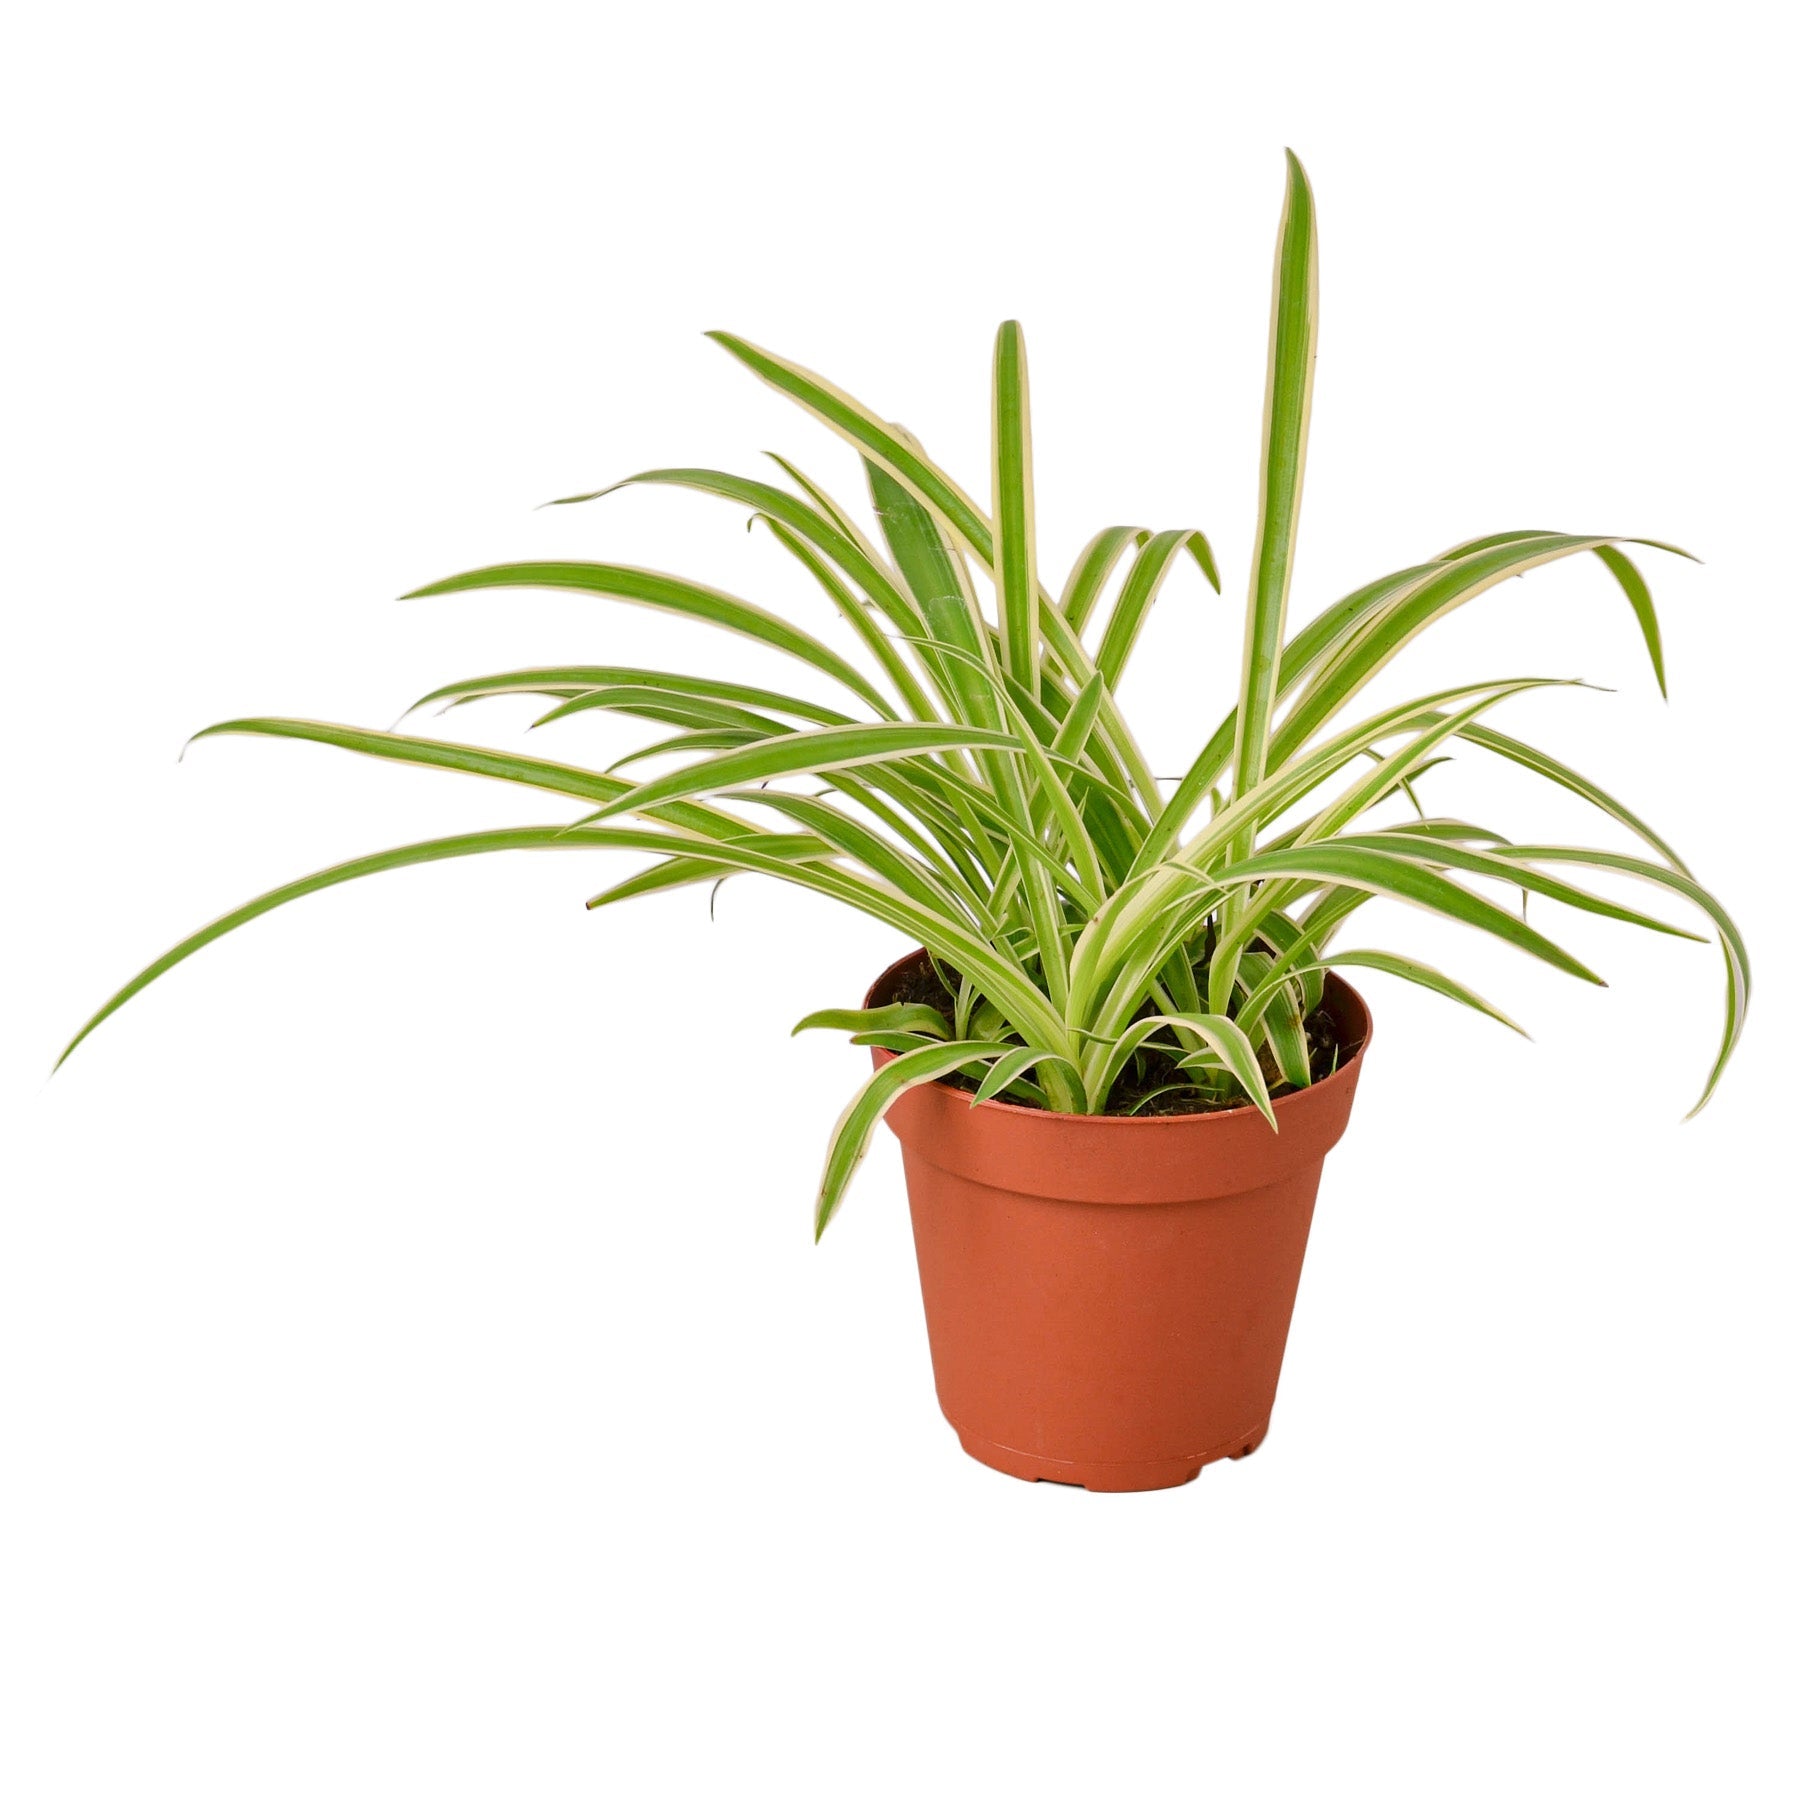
975, 785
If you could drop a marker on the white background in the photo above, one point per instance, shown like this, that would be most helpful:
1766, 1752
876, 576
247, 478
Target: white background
416, 1376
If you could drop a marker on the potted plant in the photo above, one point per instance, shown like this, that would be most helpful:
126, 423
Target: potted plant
1124, 1045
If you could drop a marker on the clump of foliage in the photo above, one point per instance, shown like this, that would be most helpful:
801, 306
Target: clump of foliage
977, 787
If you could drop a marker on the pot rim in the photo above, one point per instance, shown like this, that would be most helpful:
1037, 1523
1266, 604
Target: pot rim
1216, 1115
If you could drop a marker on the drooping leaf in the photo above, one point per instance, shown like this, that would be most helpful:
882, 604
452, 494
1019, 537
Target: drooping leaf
850, 1138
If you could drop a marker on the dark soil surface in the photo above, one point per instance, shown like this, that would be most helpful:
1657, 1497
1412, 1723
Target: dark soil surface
1150, 1069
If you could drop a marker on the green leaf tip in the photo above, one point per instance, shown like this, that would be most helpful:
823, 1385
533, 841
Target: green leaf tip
1297, 175
576, 500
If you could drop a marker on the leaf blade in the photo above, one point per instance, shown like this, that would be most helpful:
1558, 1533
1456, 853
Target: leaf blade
850, 1137
1015, 530
667, 593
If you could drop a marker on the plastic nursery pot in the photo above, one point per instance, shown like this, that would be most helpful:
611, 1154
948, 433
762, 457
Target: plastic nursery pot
1108, 1298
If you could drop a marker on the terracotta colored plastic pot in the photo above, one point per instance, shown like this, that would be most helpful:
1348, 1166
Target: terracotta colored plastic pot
1107, 1298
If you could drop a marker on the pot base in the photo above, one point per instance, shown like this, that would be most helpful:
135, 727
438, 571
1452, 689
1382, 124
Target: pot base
1104, 1477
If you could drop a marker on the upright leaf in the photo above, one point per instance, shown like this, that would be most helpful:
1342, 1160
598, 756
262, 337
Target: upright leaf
1287, 411
1015, 537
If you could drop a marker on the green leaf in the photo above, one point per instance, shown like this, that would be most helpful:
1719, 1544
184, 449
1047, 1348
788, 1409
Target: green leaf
685, 741
1156, 1093
1292, 944
1378, 638
1528, 756
1624, 571
1731, 940
671, 872
985, 960
825, 504
1494, 861
857, 617
1014, 1066
896, 1041
1015, 535
934, 573
1283, 1018
1223, 1037
1228, 1042
850, 1138
1071, 739
1384, 868
1421, 975
897, 1017
872, 435
803, 753
474, 843
666, 708
1287, 413
1637, 591
848, 549
569, 680
940, 890
1138, 595
668, 593
497, 765
556, 778
1088, 575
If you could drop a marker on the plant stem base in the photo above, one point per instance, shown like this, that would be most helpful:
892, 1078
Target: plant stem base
1105, 1477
